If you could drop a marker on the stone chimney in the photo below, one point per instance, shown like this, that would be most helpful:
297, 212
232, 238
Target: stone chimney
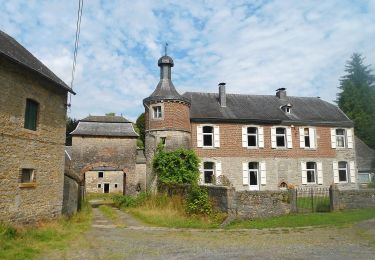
281, 93
222, 95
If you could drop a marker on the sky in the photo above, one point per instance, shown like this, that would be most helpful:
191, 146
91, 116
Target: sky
253, 46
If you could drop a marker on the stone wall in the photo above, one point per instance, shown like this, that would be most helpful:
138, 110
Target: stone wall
71, 196
352, 199
120, 153
41, 150
115, 179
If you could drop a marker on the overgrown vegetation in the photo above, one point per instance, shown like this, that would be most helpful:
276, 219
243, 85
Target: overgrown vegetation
140, 129
371, 184
198, 202
112, 214
100, 196
27, 242
313, 219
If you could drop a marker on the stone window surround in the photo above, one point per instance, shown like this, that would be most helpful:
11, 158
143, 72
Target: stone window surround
161, 105
29, 184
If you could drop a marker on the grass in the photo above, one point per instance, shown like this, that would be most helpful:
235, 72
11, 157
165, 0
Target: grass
27, 242
338, 218
164, 211
320, 204
100, 196
110, 213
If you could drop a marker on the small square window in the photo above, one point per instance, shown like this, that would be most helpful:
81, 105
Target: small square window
100, 174
27, 175
162, 140
157, 112
99, 185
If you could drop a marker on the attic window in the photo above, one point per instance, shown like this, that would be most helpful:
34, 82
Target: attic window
287, 108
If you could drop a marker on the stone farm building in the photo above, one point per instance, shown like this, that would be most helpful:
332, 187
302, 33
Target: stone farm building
252, 142
104, 155
32, 134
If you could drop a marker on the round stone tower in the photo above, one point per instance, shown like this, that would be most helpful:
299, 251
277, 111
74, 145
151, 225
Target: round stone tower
167, 118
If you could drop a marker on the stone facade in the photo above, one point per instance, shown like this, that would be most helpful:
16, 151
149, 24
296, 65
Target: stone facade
89, 152
41, 150
352, 199
71, 196
110, 182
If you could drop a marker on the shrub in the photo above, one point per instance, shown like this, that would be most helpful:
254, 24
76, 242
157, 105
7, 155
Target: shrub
198, 202
126, 201
371, 184
7, 231
176, 167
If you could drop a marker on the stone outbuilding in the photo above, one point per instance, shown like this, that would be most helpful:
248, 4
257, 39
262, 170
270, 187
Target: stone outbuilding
365, 161
33, 108
104, 155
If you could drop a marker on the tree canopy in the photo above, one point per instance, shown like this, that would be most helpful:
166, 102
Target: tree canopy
357, 98
140, 125
71, 124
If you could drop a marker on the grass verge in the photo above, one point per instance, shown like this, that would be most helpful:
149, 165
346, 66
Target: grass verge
164, 211
27, 242
100, 196
313, 219
111, 213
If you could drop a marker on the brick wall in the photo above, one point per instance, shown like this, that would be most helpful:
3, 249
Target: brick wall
42, 150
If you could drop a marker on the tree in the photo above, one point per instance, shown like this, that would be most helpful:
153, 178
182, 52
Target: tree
110, 114
357, 98
140, 125
71, 124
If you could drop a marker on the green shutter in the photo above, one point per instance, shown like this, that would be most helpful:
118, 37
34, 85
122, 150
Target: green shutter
31, 114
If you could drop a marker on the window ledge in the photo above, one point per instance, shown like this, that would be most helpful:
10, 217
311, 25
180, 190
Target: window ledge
252, 147
27, 185
209, 147
29, 131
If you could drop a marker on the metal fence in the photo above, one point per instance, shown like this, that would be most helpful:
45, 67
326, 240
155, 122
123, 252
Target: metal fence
312, 199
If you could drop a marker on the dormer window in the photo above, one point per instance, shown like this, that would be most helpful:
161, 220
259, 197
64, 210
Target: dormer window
287, 108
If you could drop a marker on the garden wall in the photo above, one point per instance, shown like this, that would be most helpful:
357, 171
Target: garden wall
352, 199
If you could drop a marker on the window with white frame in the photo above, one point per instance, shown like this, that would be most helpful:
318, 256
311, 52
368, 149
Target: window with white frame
253, 173
311, 172
157, 113
343, 171
252, 137
208, 136
306, 137
208, 172
340, 138
280, 137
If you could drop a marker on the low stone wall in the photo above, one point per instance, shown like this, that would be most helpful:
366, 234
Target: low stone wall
352, 199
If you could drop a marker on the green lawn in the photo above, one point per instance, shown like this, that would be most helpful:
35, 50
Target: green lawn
27, 242
312, 219
319, 204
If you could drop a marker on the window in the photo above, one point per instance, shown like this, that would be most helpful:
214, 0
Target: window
100, 174
253, 173
208, 171
31, 114
208, 136
340, 137
307, 137
280, 137
343, 171
99, 185
116, 185
157, 112
252, 133
287, 108
27, 175
162, 140
311, 172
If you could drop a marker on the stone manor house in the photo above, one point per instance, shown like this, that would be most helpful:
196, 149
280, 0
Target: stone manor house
252, 142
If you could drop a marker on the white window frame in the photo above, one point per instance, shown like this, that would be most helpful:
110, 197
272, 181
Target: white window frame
208, 170
208, 134
314, 170
257, 170
284, 135
251, 134
346, 171
311, 135
343, 136
157, 112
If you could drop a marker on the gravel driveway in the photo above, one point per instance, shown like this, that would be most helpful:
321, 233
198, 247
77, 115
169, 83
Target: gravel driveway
105, 240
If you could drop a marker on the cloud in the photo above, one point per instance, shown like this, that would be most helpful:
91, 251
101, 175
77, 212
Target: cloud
255, 47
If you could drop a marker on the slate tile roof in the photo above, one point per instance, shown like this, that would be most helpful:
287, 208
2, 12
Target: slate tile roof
114, 126
14, 51
205, 107
365, 156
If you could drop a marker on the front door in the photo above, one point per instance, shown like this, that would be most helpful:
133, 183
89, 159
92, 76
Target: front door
106, 188
253, 179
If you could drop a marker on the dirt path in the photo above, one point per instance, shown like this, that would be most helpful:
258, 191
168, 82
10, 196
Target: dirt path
105, 240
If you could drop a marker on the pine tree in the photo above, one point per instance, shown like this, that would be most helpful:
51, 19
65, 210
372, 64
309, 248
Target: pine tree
357, 98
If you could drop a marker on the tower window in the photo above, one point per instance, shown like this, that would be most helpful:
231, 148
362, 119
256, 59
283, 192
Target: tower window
157, 112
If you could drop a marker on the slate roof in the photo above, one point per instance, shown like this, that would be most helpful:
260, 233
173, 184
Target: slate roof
365, 156
14, 51
205, 107
114, 126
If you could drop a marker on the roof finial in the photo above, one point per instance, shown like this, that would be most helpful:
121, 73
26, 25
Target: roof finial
166, 49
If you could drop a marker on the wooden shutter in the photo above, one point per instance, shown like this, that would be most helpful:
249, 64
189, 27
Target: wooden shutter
273, 137
319, 170
244, 136
31, 113
216, 136
335, 172
260, 137
199, 136
352, 171
263, 173
201, 174
301, 137
312, 137
333, 137
245, 173
304, 172
349, 136
289, 137
217, 172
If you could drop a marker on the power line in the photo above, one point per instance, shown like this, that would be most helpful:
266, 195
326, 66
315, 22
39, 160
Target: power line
76, 44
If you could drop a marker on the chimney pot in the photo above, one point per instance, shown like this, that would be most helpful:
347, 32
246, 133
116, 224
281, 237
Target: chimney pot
281, 93
222, 95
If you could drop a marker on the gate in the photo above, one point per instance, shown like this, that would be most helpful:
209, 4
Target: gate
311, 199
